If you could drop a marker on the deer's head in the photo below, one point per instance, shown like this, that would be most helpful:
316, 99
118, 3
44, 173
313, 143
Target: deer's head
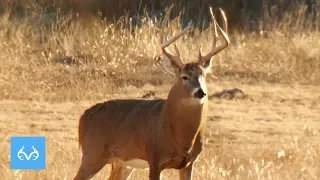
193, 75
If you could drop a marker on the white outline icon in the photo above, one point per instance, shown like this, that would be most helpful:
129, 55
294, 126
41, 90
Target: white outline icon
34, 154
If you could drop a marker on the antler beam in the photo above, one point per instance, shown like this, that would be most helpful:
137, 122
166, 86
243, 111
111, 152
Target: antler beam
176, 58
225, 39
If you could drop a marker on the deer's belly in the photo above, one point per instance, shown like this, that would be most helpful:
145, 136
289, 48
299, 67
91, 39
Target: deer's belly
137, 163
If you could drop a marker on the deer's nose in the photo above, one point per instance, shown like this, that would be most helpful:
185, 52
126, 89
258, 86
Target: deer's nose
199, 94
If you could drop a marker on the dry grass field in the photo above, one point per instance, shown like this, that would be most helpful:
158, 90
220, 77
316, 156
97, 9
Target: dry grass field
50, 73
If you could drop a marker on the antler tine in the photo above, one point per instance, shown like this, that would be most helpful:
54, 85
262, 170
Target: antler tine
166, 43
164, 23
216, 49
225, 24
177, 36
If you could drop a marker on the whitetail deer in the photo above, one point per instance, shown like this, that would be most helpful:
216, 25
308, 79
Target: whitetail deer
155, 134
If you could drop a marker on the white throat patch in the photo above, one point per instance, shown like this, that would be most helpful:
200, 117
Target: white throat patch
193, 101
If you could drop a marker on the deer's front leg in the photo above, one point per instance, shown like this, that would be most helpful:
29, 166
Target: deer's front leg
154, 172
197, 147
186, 173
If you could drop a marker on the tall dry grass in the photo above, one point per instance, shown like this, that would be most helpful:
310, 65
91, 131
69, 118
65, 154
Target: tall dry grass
59, 57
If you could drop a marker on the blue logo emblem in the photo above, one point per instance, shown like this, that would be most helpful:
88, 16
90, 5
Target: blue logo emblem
28, 152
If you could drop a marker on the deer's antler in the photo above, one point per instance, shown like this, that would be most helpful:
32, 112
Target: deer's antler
225, 39
176, 58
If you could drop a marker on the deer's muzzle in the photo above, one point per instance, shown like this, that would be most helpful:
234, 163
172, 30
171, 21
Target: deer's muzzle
199, 94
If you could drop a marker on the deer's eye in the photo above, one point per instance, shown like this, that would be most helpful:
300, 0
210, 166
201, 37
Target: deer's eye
185, 78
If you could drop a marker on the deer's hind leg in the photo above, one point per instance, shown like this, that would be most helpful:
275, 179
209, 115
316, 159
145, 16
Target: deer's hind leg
90, 165
119, 171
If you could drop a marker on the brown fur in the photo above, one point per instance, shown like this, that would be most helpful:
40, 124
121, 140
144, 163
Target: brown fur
165, 133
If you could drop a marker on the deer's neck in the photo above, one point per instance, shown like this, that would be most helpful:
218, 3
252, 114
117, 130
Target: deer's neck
186, 114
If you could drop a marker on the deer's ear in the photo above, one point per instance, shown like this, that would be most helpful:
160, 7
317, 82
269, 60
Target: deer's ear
170, 66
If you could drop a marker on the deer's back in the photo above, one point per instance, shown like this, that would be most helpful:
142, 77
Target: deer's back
127, 120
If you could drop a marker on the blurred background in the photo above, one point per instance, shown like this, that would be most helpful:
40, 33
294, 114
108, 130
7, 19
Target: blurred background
58, 47
249, 15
